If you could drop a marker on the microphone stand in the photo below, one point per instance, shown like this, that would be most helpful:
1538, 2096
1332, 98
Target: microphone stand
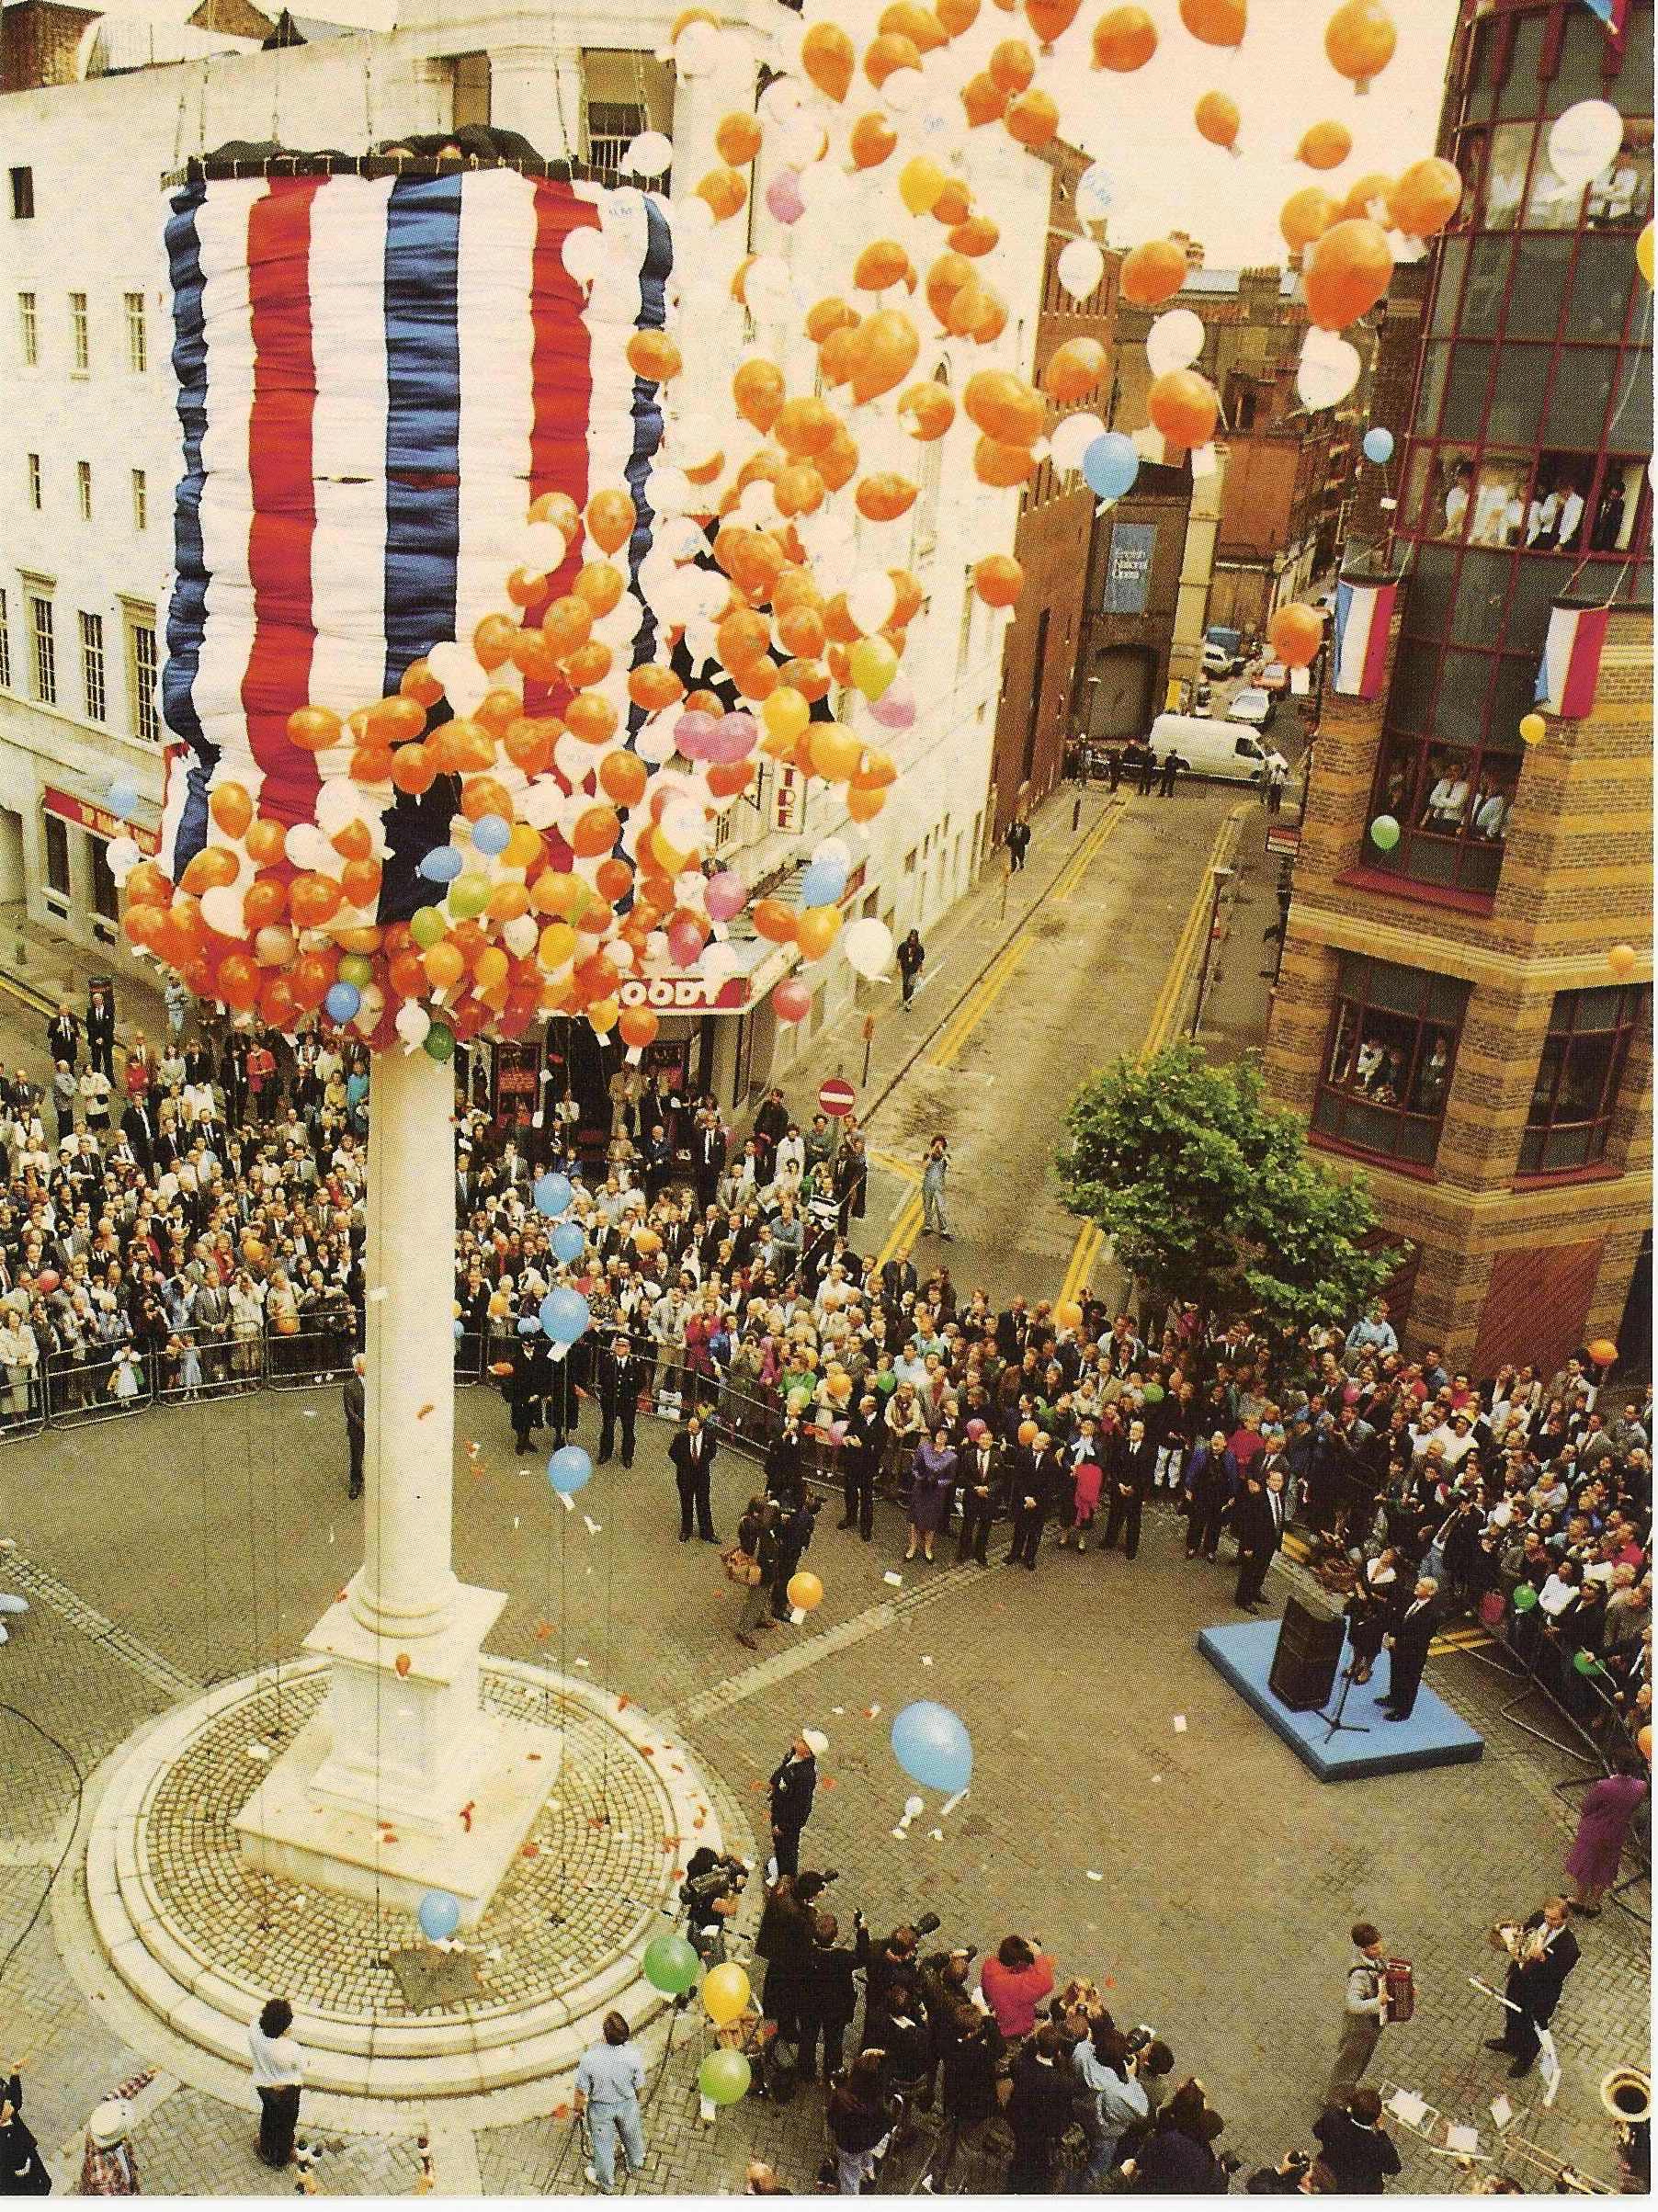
1334, 1720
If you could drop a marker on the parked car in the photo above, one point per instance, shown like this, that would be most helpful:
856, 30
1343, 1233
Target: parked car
1274, 677
1221, 750
1252, 705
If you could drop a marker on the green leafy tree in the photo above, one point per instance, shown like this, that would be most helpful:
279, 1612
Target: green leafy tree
1209, 1195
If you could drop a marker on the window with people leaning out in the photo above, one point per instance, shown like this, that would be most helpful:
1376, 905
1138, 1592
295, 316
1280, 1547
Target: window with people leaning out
1392, 1051
1579, 1076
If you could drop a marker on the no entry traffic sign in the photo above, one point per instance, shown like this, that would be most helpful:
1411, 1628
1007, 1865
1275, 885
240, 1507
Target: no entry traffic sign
838, 1096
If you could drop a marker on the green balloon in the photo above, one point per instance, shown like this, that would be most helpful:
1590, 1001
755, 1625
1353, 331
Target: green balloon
428, 927
671, 1966
1384, 832
1587, 1663
439, 1042
1152, 1393
355, 968
723, 2077
1524, 1598
469, 895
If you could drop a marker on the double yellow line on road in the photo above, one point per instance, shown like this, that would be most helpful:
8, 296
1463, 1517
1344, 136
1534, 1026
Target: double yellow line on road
1073, 875
978, 1002
1090, 1243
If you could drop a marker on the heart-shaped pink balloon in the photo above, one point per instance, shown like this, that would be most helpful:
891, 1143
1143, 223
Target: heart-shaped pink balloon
692, 732
783, 197
726, 896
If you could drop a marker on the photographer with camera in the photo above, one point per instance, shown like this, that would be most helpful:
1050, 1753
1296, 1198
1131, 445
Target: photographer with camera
1108, 2068
828, 1997
1356, 2148
710, 1896
897, 1961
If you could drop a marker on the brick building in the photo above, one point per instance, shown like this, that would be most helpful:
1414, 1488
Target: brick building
1135, 572
1036, 713
1459, 1006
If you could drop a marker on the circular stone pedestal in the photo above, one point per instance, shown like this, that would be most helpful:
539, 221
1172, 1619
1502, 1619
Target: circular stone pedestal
203, 1939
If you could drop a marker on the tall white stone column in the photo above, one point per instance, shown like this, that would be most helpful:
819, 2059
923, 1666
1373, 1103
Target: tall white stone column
403, 1783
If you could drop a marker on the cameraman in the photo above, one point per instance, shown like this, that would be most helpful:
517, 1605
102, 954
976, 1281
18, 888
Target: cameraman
710, 1895
1108, 2070
828, 1996
1355, 2145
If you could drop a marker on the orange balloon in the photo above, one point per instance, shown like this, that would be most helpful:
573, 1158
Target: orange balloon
953, 205
314, 729
266, 841
798, 490
1185, 406
265, 902
837, 356
815, 931
595, 831
637, 1026
929, 411
828, 314
1324, 145
1124, 38
917, 24
1012, 66
773, 921
1216, 116
418, 683
359, 881
610, 519
948, 273
590, 716
393, 720
1347, 271
805, 427
872, 139
864, 805
885, 349
493, 640
230, 808
652, 355
354, 842
956, 16
1073, 369
530, 741
1215, 22
1306, 215
1152, 272
589, 663
1425, 198
1360, 38
882, 263
835, 754
723, 190
1033, 118
759, 390
567, 623
1002, 465
885, 497
214, 867
600, 585
1004, 406
878, 772
887, 52
837, 465
1362, 195
983, 100
1296, 633
1050, 18
737, 140
742, 634
977, 236
827, 56
1028, 1432
998, 579
236, 981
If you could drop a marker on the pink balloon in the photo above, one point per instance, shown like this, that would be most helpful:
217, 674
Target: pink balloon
726, 896
691, 734
732, 737
793, 1001
684, 943
895, 708
783, 197
1350, 1395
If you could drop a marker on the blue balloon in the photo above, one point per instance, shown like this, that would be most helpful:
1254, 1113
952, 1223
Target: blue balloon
1379, 445
552, 1194
343, 1000
569, 1241
569, 1469
932, 1745
440, 1915
822, 883
122, 799
563, 1315
1111, 465
530, 1326
490, 833
442, 864
459, 1328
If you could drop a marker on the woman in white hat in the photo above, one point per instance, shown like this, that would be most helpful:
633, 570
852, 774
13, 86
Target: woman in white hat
278, 2071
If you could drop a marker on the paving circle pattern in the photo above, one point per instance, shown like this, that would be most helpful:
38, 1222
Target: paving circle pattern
201, 1934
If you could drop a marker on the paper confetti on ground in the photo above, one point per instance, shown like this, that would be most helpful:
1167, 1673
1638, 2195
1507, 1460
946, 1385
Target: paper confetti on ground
895, 1581
424, 1410
871, 1712
581, 1662
1092, 1876
937, 1834
258, 1751
593, 1526
308, 1413
1180, 1724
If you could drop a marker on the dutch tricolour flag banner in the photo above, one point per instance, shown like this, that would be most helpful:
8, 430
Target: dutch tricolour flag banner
1570, 669
1363, 612
376, 377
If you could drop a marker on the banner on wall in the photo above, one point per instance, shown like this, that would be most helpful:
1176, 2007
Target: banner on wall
1129, 567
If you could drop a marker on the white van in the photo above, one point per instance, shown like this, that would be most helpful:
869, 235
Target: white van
1224, 750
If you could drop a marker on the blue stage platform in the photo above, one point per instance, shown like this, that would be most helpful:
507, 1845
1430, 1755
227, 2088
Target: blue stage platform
1433, 1736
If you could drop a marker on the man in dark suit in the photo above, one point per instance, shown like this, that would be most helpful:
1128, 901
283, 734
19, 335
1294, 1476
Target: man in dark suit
1548, 1954
63, 1036
692, 1454
100, 1029
851, 1182
1408, 1645
793, 1786
981, 1478
785, 1465
897, 1277
356, 1413
620, 1379
526, 1386
1012, 1330
138, 1125
708, 1157
860, 1463
1131, 1486
1258, 1520
1032, 1487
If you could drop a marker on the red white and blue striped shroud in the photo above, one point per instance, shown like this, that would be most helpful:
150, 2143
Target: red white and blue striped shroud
375, 377
1568, 670
1363, 615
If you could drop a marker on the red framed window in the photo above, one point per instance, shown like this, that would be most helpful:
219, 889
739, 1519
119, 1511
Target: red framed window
1389, 1059
1579, 1077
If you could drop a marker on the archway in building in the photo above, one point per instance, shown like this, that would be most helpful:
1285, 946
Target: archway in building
1120, 692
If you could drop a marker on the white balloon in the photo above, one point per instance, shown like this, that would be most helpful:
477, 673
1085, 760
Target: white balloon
1174, 340
694, 222
572, 758
668, 491
649, 154
339, 801
1092, 192
541, 547
468, 691
717, 962
274, 944
781, 101
308, 847
622, 624
654, 742
539, 804
1583, 140
1081, 266
835, 851
680, 538
1072, 435
582, 253
413, 1022
222, 909
904, 89
1326, 376
868, 945
696, 50
870, 599
122, 856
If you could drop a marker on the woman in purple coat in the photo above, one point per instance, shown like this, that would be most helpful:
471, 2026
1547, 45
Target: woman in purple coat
1598, 1847
932, 1486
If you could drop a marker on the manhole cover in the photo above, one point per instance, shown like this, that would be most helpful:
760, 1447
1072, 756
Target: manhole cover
429, 1977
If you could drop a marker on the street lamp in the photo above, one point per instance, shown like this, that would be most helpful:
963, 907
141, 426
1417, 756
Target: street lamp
1222, 877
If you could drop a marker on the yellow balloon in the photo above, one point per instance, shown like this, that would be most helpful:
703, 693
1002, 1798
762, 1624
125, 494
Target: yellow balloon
816, 929
874, 665
1533, 729
1644, 253
604, 1014
920, 182
490, 968
725, 1993
556, 947
522, 846
785, 712
805, 1590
